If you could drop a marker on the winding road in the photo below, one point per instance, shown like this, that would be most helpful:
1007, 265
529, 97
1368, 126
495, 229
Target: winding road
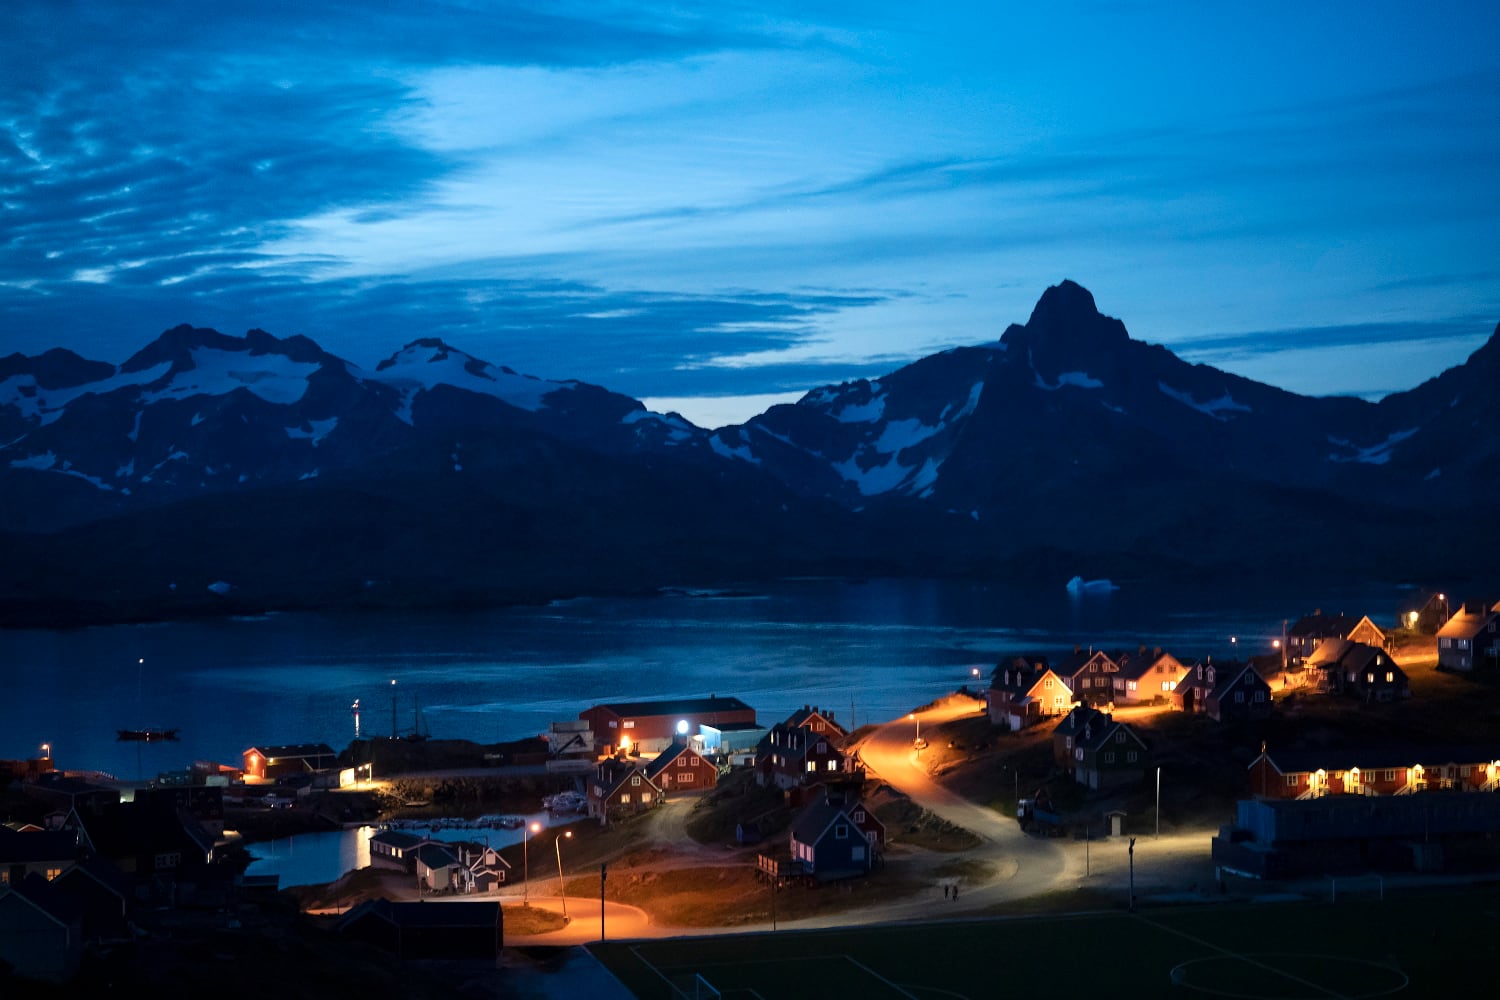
1006, 865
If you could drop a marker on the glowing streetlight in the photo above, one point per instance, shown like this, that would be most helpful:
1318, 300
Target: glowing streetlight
561, 891
46, 751
917, 741
526, 862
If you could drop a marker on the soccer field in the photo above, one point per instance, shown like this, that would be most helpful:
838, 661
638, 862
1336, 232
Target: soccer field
1406, 946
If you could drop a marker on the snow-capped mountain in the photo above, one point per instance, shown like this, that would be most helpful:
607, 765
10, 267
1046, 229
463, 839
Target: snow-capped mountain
1069, 401
284, 476
197, 411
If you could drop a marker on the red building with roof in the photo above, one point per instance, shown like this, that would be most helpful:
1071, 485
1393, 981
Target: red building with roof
650, 726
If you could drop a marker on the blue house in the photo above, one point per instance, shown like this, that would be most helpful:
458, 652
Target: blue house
829, 844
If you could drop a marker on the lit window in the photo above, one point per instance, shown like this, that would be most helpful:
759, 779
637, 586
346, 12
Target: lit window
629, 723
1390, 677
635, 779
624, 798
811, 766
833, 765
52, 873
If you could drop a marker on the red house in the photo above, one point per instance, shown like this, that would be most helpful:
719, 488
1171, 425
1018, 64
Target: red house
682, 768
651, 726
1311, 774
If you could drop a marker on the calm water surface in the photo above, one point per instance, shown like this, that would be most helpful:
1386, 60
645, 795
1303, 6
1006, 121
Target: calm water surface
867, 650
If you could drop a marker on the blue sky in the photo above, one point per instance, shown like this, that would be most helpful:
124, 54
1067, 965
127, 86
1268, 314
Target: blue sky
713, 206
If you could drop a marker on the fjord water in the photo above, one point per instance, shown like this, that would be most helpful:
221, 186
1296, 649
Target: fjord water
871, 650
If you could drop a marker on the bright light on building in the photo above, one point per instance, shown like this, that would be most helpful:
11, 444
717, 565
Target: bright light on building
682, 727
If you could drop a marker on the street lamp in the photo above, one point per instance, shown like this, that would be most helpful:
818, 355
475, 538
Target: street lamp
561, 891
1132, 874
1158, 803
918, 740
46, 751
526, 862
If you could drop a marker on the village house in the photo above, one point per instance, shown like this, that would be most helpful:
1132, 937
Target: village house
817, 720
1147, 676
1470, 640
1309, 630
396, 849
47, 853
1090, 676
1360, 671
792, 756
651, 726
1024, 690
269, 762
682, 768
828, 842
1098, 751
620, 787
1227, 692
1310, 774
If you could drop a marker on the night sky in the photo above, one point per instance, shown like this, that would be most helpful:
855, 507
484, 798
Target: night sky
754, 199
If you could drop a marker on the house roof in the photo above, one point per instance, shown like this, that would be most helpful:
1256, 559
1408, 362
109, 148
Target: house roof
1319, 625
807, 712
665, 758
816, 819
1228, 676
1465, 624
614, 772
292, 750
1138, 665
399, 839
1080, 718
435, 855
1291, 761
677, 706
1098, 737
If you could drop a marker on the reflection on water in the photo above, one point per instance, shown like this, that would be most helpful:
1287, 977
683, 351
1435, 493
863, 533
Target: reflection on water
314, 858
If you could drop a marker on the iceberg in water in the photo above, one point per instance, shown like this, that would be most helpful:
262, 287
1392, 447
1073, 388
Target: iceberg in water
1078, 585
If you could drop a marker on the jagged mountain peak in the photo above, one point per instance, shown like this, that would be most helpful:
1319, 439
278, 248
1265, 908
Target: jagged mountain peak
57, 368
1067, 327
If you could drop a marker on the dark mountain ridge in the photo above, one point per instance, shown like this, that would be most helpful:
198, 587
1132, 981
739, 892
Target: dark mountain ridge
300, 480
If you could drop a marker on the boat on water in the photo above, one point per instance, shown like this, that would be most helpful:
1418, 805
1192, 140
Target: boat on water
145, 735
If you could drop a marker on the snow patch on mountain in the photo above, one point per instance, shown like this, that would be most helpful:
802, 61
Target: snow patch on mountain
722, 448
273, 377
1079, 380
1220, 409
678, 430
39, 462
37, 402
422, 366
1375, 454
315, 430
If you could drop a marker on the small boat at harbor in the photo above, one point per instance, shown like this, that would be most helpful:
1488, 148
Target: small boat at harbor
145, 735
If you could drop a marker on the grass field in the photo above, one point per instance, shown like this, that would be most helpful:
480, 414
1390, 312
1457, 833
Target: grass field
1412, 945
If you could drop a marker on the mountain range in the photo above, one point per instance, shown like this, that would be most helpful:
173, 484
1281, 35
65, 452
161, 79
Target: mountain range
214, 474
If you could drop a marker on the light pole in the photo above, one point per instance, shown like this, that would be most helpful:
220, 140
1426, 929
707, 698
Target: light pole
46, 751
561, 890
526, 862
1132, 874
918, 741
1158, 803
